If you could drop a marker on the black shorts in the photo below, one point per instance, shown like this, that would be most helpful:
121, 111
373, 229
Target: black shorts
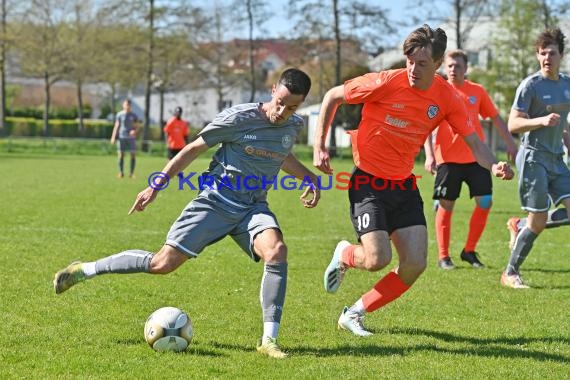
450, 176
386, 205
172, 153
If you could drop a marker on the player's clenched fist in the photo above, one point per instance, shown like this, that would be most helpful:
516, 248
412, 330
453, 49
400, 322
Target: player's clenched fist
502, 170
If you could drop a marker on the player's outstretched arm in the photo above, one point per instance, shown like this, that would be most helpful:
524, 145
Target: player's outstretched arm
311, 194
486, 159
332, 99
172, 168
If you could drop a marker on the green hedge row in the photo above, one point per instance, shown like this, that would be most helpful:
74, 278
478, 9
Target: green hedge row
54, 113
31, 127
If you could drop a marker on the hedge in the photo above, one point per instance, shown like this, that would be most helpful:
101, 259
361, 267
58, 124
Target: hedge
68, 113
31, 127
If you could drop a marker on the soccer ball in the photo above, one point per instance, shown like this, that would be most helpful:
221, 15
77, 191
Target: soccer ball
168, 329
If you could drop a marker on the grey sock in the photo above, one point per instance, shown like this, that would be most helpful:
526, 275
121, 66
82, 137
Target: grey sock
521, 249
131, 261
272, 292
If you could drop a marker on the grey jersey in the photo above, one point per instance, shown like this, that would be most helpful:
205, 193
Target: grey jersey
127, 122
250, 155
538, 96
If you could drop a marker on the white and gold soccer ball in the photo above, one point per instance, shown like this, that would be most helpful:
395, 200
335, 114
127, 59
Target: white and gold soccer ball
168, 329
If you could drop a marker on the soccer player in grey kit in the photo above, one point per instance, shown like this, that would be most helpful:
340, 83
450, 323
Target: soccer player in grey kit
255, 141
125, 133
540, 112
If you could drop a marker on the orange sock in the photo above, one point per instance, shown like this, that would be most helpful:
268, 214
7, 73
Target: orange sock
443, 231
476, 226
347, 256
385, 291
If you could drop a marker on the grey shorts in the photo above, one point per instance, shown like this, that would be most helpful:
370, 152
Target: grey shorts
124, 145
544, 179
207, 219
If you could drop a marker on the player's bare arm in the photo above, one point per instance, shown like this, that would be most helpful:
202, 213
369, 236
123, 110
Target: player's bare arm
519, 122
172, 168
332, 99
115, 130
486, 159
311, 195
430, 164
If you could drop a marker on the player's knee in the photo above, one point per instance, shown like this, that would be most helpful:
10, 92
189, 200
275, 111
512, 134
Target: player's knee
486, 201
377, 261
162, 263
159, 267
276, 253
414, 266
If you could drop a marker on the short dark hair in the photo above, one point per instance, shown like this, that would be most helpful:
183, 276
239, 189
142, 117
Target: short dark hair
550, 37
424, 37
296, 81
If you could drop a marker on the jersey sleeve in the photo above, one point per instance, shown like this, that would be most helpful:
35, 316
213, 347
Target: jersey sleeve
523, 97
365, 88
218, 131
457, 116
487, 108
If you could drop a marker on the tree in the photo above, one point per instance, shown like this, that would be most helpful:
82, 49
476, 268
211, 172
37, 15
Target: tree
178, 34
3, 48
124, 42
41, 47
119, 47
149, 74
171, 56
340, 21
255, 12
80, 42
464, 15
513, 48
213, 57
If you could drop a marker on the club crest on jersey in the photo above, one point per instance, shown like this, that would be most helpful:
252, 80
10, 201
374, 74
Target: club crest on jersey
286, 141
472, 99
432, 111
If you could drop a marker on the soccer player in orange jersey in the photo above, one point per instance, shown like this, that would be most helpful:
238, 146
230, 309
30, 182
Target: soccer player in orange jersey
401, 108
456, 164
176, 131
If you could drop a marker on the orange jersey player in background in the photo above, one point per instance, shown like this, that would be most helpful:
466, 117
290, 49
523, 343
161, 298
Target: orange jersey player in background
456, 164
177, 132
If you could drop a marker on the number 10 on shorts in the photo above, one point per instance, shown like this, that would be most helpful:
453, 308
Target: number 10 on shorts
363, 221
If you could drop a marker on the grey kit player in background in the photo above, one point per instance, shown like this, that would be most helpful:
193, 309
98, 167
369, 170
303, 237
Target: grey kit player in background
255, 140
540, 113
125, 134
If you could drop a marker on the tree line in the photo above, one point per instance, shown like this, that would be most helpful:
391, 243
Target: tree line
159, 46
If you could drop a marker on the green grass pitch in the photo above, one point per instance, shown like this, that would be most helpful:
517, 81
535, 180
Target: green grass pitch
457, 324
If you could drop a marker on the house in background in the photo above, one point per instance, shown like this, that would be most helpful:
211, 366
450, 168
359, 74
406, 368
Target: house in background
202, 105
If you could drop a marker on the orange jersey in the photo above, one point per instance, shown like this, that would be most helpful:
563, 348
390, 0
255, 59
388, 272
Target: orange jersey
396, 119
449, 146
176, 130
